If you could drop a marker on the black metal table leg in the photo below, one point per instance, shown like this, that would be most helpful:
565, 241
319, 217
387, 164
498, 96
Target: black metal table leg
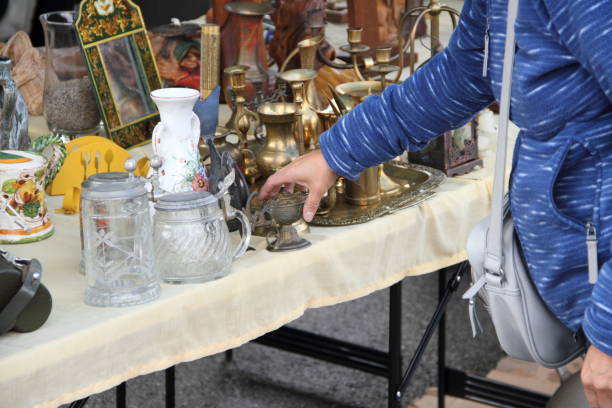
229, 355
395, 343
79, 404
441, 342
447, 289
170, 387
121, 392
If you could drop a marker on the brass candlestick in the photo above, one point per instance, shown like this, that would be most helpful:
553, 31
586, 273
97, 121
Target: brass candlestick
383, 66
354, 48
242, 117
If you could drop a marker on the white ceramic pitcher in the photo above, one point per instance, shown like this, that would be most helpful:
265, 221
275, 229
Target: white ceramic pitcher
176, 138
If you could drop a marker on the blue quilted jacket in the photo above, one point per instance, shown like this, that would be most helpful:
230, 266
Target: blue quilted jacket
562, 172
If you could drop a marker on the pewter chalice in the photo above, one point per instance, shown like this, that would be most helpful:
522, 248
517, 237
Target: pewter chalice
285, 209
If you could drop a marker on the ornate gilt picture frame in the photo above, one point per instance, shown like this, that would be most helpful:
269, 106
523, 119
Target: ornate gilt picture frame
121, 66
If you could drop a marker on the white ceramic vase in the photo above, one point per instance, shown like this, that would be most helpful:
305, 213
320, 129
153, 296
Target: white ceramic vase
175, 139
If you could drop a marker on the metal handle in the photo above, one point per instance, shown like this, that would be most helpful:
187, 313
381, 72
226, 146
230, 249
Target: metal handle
246, 235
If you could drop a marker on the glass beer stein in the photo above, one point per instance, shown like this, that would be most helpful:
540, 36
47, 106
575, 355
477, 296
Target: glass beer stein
192, 241
118, 246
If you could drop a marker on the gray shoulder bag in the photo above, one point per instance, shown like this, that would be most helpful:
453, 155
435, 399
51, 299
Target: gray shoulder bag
525, 327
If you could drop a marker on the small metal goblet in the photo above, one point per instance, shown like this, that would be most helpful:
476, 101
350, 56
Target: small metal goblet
285, 209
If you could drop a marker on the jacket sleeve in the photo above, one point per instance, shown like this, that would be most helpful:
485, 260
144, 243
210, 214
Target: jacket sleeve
585, 28
597, 323
443, 95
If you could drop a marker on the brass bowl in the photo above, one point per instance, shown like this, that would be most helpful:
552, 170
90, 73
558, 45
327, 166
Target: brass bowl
359, 90
298, 75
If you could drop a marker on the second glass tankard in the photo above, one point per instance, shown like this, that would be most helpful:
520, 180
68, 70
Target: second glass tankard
192, 241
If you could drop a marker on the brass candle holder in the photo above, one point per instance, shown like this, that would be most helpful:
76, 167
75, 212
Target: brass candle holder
242, 118
355, 48
383, 66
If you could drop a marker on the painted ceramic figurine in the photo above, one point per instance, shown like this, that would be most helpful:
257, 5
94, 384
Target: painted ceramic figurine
13, 111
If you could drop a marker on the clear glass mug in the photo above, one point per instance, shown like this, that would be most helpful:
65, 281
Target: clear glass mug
192, 240
69, 101
119, 261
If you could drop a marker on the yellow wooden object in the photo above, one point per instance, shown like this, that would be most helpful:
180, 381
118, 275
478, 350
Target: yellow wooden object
82, 161
82, 141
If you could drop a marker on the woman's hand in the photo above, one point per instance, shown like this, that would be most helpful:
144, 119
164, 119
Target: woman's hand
596, 377
310, 171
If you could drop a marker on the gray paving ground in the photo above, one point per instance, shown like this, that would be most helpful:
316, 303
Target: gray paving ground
264, 377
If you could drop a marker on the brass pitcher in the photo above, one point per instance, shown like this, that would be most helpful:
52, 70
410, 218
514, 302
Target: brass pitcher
280, 148
310, 120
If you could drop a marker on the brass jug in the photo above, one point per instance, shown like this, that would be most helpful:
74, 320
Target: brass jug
280, 148
310, 120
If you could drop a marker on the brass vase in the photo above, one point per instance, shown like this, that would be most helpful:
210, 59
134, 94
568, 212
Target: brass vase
310, 120
280, 148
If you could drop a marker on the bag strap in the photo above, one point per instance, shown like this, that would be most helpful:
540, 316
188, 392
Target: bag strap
494, 251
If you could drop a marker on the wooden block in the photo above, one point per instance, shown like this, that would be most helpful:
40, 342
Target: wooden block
337, 16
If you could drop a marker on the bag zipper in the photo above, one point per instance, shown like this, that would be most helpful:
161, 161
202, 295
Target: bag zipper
591, 243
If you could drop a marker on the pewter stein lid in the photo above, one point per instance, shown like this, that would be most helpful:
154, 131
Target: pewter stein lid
103, 178
122, 190
187, 200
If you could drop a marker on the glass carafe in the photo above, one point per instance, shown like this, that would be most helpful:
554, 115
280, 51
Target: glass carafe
192, 240
118, 245
69, 102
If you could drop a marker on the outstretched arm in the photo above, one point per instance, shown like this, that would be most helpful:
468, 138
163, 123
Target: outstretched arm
443, 95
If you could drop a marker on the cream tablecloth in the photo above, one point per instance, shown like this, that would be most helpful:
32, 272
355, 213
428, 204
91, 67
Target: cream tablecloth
83, 350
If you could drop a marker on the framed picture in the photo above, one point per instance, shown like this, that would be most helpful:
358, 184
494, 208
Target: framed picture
122, 68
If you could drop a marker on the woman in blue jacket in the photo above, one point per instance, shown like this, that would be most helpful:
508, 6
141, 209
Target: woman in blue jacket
562, 173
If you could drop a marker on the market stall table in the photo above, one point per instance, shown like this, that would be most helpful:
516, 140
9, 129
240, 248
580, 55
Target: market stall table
83, 350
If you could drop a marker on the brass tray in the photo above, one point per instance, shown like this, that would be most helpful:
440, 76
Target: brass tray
416, 185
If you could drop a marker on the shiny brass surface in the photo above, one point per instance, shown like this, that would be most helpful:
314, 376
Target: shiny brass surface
307, 50
359, 90
416, 183
222, 145
310, 119
328, 201
365, 191
280, 148
383, 55
353, 35
328, 118
298, 91
241, 119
